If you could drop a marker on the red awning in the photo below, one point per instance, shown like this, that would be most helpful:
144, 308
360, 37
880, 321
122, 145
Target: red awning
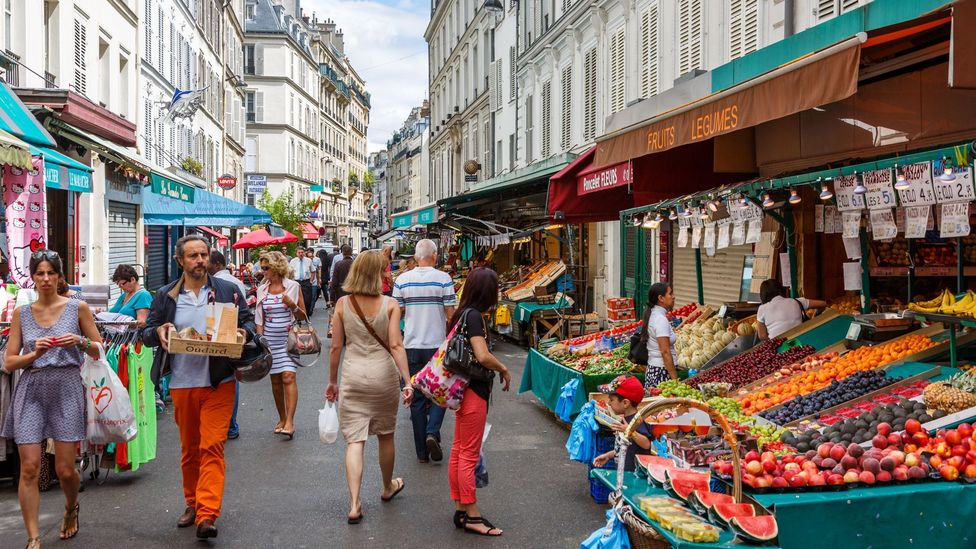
211, 232
260, 237
564, 195
309, 231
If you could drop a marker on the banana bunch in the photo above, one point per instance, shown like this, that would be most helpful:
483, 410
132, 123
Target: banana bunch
946, 303
964, 307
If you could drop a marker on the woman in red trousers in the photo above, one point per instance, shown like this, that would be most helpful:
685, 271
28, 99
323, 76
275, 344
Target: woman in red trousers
479, 297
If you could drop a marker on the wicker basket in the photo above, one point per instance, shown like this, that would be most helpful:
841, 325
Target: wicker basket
641, 535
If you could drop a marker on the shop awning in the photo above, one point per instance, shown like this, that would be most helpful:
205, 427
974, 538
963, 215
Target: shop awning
423, 215
17, 120
309, 231
211, 232
514, 181
63, 172
208, 209
14, 152
388, 235
570, 191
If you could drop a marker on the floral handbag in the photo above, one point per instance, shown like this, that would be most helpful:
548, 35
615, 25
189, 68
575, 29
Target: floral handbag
443, 388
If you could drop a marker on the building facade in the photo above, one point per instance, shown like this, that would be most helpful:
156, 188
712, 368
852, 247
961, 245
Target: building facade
379, 213
406, 172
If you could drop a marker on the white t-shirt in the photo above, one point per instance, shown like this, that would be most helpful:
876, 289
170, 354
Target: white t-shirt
316, 267
659, 326
423, 293
781, 314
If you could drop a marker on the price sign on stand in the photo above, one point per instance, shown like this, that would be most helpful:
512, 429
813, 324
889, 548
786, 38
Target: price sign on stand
738, 234
847, 200
919, 192
958, 190
829, 214
955, 220
682, 237
880, 193
916, 221
724, 227
696, 234
754, 232
852, 224
883, 224
818, 218
852, 276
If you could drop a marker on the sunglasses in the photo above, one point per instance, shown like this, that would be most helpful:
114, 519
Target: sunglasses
45, 254
265, 268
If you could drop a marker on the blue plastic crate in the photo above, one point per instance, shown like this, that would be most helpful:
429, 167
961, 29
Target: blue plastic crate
604, 444
599, 491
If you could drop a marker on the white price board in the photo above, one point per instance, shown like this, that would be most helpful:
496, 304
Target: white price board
852, 247
958, 190
724, 228
696, 234
955, 220
919, 192
829, 214
683, 237
916, 221
852, 224
852, 276
755, 231
844, 193
709, 235
818, 218
883, 224
881, 193
738, 234
784, 269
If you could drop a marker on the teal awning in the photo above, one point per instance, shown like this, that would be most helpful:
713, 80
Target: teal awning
423, 216
208, 209
17, 120
63, 172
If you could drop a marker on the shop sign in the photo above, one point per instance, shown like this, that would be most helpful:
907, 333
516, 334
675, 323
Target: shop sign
724, 227
883, 225
256, 184
958, 190
119, 188
165, 186
847, 200
916, 221
851, 222
608, 178
955, 220
422, 217
919, 192
881, 193
227, 181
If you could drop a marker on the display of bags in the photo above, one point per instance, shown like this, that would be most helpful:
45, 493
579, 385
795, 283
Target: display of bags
109, 415
443, 388
328, 423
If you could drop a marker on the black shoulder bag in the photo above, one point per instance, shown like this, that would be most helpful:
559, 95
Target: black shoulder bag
638, 342
459, 357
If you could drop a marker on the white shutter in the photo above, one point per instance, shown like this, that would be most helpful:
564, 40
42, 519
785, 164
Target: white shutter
649, 51
258, 59
689, 36
160, 38
826, 9
511, 83
589, 95
848, 5
546, 119
529, 127
81, 46
566, 130
148, 32
616, 70
492, 87
486, 169
735, 29
498, 88
743, 27
259, 107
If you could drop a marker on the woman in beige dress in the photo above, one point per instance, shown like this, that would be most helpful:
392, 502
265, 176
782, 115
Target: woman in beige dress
366, 324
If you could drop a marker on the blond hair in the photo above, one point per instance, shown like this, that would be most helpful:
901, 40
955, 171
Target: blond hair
277, 262
366, 275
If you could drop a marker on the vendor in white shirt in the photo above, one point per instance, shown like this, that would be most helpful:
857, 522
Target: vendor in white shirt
661, 355
778, 313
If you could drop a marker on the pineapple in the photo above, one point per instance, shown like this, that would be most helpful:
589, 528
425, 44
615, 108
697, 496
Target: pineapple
952, 395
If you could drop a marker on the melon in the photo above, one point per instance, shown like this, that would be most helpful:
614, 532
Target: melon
657, 473
755, 529
682, 487
702, 501
722, 513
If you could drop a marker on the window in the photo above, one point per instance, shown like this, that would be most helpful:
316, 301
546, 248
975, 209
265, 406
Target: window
616, 72
488, 168
826, 9
649, 51
546, 119
81, 45
124, 86
566, 87
689, 36
8, 27
249, 59
743, 27
104, 68
589, 95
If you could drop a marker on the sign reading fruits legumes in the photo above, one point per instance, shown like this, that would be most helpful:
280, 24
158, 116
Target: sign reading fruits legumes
847, 200
919, 191
880, 193
916, 221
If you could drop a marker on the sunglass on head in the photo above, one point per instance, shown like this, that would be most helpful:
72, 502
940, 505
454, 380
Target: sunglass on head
45, 254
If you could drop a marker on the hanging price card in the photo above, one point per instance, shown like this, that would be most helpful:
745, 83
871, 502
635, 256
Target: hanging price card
880, 193
958, 190
755, 231
852, 276
683, 237
955, 220
684, 222
883, 224
852, 224
751, 212
818, 218
696, 221
919, 192
696, 234
900, 219
723, 234
738, 234
785, 274
852, 247
916, 221
844, 193
710, 235
829, 212
838, 222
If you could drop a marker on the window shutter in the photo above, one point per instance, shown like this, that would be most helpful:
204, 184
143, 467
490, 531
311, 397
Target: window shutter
81, 45
566, 87
743, 27
492, 87
258, 60
546, 119
649, 51
735, 29
616, 71
486, 168
259, 107
172, 52
529, 127
589, 96
148, 31
826, 9
689, 36
160, 39
147, 129
511, 84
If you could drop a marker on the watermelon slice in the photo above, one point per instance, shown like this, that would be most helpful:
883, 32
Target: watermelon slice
755, 529
702, 501
657, 473
683, 486
722, 513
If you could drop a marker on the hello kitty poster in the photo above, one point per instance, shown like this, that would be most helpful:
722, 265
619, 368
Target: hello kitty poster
23, 195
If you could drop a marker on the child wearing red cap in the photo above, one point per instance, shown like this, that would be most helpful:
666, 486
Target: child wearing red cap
626, 393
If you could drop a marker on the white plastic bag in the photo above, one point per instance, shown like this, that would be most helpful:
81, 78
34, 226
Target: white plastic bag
109, 415
328, 423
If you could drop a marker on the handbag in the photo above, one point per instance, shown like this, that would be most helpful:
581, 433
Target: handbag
459, 357
443, 388
638, 343
302, 340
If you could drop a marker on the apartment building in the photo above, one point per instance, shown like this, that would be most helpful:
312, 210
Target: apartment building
406, 172
379, 221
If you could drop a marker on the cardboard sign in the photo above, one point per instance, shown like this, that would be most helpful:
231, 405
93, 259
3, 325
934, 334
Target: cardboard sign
710, 236
919, 192
738, 234
880, 193
883, 224
724, 228
696, 234
221, 337
847, 200
683, 237
851, 222
958, 190
955, 220
916, 221
755, 231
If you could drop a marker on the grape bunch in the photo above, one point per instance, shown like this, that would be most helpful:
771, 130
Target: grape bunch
675, 388
729, 408
766, 433
758, 363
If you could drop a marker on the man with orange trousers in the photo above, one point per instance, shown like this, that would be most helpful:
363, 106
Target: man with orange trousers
202, 387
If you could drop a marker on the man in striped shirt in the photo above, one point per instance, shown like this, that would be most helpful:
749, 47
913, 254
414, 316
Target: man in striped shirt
426, 295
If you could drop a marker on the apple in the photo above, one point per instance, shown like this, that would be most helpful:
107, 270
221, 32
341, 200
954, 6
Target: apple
727, 469
769, 465
767, 456
959, 450
894, 440
788, 475
837, 452
912, 426
884, 429
779, 482
752, 455
835, 480
798, 480
786, 459
791, 467
965, 430
921, 439
935, 461
819, 480
970, 470
762, 482
879, 441
824, 449
911, 460
754, 467
952, 437
949, 472
957, 462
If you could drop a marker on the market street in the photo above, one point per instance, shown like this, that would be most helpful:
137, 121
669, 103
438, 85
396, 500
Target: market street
293, 494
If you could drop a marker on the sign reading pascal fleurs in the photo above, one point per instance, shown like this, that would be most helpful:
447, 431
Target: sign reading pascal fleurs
608, 178
171, 189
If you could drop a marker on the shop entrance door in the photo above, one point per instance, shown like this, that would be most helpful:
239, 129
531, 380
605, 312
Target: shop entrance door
60, 228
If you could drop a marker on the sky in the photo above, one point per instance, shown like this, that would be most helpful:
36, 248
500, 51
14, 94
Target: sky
385, 43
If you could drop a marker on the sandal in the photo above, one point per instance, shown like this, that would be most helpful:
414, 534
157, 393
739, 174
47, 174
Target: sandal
70, 515
459, 517
480, 520
33, 543
356, 519
395, 492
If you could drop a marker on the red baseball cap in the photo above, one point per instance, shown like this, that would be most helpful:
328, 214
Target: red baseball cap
625, 386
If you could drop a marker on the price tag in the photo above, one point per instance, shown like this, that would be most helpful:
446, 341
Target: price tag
838, 222
696, 234
684, 222
916, 221
958, 190
735, 213
919, 192
852, 247
696, 221
851, 222
722, 310
724, 227
852, 276
955, 220
755, 231
880, 193
853, 331
829, 214
818, 218
784, 269
847, 200
710, 235
683, 237
738, 234
883, 224
752, 212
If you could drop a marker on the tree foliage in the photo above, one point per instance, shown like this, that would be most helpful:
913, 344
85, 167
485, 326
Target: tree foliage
286, 211
368, 180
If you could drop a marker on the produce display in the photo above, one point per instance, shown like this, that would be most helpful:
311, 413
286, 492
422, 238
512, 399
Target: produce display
683, 311
900, 394
952, 395
946, 303
848, 304
892, 253
953, 452
675, 388
745, 368
899, 415
811, 362
540, 276
697, 343
755, 529
744, 326
673, 516
835, 394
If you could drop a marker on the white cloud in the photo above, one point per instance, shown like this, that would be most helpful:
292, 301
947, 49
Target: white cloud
385, 44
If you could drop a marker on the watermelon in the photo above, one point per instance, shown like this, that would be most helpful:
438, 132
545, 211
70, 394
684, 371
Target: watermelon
701, 501
755, 529
722, 513
683, 486
657, 473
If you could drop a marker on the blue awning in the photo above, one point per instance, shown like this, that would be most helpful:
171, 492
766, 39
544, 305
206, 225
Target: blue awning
63, 172
208, 209
17, 120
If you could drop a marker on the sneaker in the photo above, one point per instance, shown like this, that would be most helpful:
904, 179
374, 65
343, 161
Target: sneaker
231, 435
434, 448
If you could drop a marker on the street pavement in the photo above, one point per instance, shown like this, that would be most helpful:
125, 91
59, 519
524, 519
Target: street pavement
293, 494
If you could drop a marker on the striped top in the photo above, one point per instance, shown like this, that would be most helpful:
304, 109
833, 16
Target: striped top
424, 292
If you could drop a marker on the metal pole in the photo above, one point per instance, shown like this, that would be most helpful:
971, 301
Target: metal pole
865, 273
790, 226
698, 273
960, 284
